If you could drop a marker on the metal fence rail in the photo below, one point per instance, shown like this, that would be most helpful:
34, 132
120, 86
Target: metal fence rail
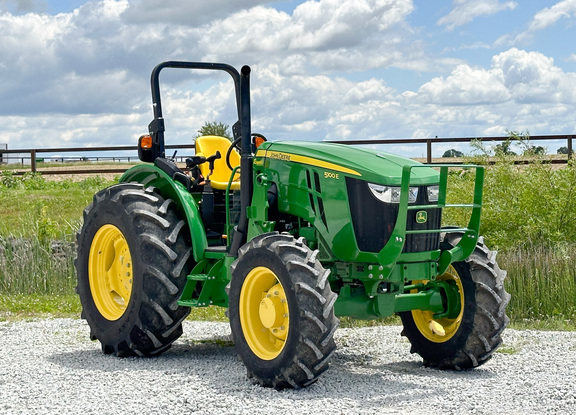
430, 141
33, 153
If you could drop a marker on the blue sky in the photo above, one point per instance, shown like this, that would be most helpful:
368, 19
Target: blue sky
76, 73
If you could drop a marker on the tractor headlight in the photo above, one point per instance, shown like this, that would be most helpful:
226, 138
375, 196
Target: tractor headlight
391, 194
433, 192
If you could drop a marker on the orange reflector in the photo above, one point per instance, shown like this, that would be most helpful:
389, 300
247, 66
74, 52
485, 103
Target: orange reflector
145, 141
258, 141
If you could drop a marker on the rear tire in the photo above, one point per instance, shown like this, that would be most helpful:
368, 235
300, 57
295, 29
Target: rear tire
281, 311
133, 258
471, 339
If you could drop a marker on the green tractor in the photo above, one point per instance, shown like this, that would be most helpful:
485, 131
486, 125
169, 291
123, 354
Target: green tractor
288, 236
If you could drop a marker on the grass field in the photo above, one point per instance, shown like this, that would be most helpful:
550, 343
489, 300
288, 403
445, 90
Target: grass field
534, 232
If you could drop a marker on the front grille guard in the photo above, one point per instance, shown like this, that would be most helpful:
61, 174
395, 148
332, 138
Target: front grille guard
394, 247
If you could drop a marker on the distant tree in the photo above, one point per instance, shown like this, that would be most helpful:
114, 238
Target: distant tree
215, 128
562, 150
504, 148
534, 151
453, 153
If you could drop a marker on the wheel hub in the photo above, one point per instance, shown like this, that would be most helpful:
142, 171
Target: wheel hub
273, 310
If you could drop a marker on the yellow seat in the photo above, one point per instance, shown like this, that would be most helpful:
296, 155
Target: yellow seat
208, 145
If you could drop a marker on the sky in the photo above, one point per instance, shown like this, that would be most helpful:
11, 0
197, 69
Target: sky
76, 73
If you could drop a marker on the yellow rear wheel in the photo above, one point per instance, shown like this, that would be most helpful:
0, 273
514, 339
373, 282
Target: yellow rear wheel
133, 259
110, 272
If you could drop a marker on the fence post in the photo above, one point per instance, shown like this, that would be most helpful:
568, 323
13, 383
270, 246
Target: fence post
33, 161
429, 151
569, 139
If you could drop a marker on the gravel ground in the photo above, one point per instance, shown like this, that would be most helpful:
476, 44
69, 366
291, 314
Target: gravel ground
50, 366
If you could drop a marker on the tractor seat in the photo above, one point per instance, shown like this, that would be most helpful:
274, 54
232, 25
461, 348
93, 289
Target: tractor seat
208, 145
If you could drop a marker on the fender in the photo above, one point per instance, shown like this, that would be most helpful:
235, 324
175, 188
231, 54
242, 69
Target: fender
150, 175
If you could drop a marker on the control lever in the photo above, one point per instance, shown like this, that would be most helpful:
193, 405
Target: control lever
211, 161
194, 161
208, 193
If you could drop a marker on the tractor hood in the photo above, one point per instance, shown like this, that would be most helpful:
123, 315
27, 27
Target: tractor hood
365, 164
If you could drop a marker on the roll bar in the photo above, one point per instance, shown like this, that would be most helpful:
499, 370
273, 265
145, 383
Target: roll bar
241, 129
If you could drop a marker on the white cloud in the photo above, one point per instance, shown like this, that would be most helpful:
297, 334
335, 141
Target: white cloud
319, 107
320, 72
188, 13
336, 23
543, 19
102, 44
60, 130
520, 91
533, 77
465, 11
66, 63
328, 34
466, 86
515, 75
550, 15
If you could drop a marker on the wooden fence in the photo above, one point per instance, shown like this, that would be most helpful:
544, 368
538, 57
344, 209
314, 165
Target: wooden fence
34, 154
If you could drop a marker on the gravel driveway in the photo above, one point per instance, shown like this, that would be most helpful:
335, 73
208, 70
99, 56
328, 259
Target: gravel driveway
50, 366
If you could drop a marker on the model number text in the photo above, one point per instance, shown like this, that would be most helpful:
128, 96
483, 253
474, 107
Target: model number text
330, 175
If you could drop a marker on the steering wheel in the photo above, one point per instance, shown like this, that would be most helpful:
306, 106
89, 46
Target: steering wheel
235, 145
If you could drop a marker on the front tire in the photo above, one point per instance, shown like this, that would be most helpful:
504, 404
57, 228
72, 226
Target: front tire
281, 311
471, 338
133, 258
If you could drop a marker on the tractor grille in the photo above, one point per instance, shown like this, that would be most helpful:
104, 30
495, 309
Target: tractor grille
374, 220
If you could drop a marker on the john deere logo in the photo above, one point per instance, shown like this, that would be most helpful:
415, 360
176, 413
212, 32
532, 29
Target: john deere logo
421, 216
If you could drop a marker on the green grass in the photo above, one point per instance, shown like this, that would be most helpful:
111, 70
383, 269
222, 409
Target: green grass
26, 306
30, 203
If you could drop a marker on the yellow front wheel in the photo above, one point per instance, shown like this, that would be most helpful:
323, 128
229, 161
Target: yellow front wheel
471, 338
441, 330
281, 311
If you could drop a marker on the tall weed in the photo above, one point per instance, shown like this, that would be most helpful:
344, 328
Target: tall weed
33, 266
541, 281
524, 205
529, 215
